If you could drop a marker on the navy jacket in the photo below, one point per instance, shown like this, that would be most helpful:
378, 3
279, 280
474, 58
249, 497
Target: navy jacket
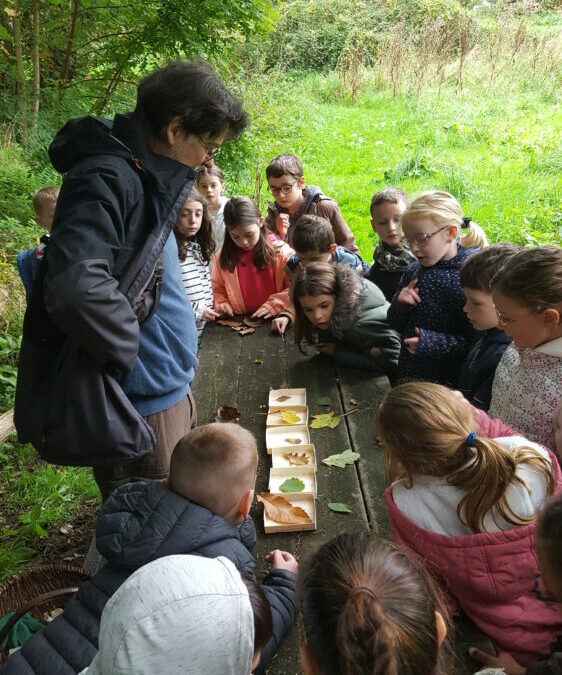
477, 372
444, 331
139, 523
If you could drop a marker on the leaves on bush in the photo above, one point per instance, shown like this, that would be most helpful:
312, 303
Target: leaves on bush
292, 485
280, 510
232, 323
289, 417
293, 441
325, 420
227, 413
342, 459
295, 459
339, 508
323, 400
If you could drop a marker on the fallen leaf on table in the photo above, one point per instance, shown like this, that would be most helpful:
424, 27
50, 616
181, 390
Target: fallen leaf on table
295, 459
323, 400
246, 331
280, 510
353, 401
292, 485
293, 441
259, 361
282, 398
227, 413
289, 417
253, 323
325, 420
237, 328
339, 508
232, 323
342, 459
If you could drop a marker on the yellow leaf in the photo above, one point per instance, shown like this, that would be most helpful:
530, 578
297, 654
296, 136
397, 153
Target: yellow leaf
280, 510
325, 420
289, 417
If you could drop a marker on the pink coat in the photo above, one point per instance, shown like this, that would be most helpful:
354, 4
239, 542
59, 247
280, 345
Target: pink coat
490, 575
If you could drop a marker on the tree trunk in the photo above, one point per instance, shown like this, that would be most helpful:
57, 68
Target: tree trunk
35, 61
20, 75
66, 63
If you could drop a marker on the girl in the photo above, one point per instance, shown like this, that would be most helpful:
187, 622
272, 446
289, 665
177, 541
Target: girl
527, 385
347, 314
194, 235
210, 181
248, 276
466, 498
427, 308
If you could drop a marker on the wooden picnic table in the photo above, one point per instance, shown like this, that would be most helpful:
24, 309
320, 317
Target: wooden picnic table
239, 371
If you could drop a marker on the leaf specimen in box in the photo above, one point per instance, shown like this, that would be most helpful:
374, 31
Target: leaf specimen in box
325, 420
227, 413
293, 441
280, 510
253, 323
282, 398
289, 417
292, 485
230, 322
295, 459
342, 459
323, 400
339, 508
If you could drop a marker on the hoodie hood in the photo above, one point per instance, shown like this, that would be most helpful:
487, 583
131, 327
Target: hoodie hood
178, 614
348, 300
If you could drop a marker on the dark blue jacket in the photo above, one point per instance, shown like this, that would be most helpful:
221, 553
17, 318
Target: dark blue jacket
445, 332
139, 523
28, 266
477, 372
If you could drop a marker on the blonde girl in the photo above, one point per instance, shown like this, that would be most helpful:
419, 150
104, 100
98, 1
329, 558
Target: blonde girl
427, 308
194, 236
248, 276
210, 182
465, 499
527, 385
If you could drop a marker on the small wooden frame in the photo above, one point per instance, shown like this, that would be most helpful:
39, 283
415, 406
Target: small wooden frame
274, 416
279, 461
294, 397
276, 437
306, 502
306, 473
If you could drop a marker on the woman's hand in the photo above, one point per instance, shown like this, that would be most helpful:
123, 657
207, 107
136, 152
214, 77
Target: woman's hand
502, 660
263, 313
412, 343
224, 309
279, 324
409, 295
327, 348
209, 314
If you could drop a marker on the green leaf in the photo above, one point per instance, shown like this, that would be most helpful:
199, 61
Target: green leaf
325, 420
292, 485
323, 400
342, 459
339, 508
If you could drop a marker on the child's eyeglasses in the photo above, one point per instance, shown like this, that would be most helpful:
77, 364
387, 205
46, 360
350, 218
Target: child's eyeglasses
283, 190
211, 151
539, 595
422, 239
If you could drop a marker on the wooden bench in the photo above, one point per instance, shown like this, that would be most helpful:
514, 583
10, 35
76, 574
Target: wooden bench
239, 371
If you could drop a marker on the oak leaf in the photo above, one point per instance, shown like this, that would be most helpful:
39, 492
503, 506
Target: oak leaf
232, 323
342, 459
245, 331
295, 459
280, 510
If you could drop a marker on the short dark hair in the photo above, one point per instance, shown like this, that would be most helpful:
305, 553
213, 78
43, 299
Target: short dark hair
193, 92
313, 233
390, 195
263, 622
549, 540
284, 164
478, 271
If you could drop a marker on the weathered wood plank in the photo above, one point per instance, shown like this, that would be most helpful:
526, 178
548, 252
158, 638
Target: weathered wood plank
6, 424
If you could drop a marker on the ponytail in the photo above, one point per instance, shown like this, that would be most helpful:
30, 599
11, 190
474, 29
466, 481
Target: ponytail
472, 235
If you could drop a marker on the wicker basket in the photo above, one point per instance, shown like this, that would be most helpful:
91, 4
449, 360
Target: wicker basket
37, 591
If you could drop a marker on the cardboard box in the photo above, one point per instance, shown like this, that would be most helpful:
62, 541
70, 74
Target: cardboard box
307, 503
307, 474
294, 397
274, 416
279, 461
276, 437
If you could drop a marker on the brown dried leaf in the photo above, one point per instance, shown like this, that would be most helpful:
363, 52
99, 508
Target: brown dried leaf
229, 322
253, 323
293, 441
282, 398
280, 510
295, 459
227, 413
259, 361
353, 401
246, 331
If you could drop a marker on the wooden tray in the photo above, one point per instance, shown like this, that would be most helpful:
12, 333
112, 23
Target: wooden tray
278, 460
296, 397
274, 416
306, 502
306, 473
276, 437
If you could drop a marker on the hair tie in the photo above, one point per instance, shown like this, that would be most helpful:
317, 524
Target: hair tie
362, 589
466, 222
471, 440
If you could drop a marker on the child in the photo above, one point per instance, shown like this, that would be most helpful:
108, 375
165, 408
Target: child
349, 316
427, 307
528, 382
249, 275
548, 587
194, 236
210, 181
292, 199
179, 614
204, 512
44, 203
466, 499
367, 608
477, 372
391, 257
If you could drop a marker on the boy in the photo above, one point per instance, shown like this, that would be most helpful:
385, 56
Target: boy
390, 257
477, 372
292, 199
204, 512
44, 202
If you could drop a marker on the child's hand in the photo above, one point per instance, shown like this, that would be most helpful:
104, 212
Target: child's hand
413, 343
282, 224
502, 660
279, 324
282, 560
262, 313
327, 348
224, 309
409, 294
209, 314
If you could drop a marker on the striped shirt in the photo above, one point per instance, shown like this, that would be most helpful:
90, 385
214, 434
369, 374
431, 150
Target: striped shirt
196, 280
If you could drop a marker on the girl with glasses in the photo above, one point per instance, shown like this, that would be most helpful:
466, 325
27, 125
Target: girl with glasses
427, 308
527, 387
